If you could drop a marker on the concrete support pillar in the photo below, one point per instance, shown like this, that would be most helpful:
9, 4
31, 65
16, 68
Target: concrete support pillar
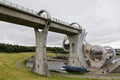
76, 57
40, 65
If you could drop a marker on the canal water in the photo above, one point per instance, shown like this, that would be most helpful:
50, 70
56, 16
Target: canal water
52, 65
55, 66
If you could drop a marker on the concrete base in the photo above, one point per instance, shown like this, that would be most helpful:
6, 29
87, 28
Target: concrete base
111, 68
116, 70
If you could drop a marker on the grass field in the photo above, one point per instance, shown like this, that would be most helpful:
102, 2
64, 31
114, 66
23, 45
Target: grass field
9, 70
118, 53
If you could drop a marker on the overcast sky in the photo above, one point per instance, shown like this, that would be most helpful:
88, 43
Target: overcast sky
100, 18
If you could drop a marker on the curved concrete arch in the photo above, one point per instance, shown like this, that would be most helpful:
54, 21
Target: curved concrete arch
42, 11
76, 24
48, 18
47, 13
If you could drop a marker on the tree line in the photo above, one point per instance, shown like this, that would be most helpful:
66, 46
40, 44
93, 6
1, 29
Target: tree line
9, 48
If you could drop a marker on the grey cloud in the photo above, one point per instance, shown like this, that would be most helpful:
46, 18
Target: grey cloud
100, 18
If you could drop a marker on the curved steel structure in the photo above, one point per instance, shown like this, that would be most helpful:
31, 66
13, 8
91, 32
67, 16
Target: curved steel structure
110, 54
94, 55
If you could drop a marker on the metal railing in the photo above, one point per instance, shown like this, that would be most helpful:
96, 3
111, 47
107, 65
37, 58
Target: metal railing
5, 2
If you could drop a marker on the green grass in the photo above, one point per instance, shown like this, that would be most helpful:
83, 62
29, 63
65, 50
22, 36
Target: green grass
114, 74
50, 54
9, 70
118, 53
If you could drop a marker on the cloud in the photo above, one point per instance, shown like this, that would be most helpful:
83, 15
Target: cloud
100, 18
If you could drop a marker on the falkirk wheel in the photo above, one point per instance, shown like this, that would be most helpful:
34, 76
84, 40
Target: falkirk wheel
87, 55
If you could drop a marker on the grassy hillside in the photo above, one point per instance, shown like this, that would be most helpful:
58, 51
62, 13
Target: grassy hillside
9, 70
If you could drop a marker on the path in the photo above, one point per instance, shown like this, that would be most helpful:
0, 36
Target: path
18, 64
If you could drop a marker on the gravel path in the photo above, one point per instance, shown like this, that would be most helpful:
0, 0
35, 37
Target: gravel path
18, 64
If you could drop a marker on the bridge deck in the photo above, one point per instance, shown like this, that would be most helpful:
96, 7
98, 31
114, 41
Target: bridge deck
16, 14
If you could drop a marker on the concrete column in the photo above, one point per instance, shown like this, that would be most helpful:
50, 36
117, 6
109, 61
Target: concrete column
40, 65
76, 57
